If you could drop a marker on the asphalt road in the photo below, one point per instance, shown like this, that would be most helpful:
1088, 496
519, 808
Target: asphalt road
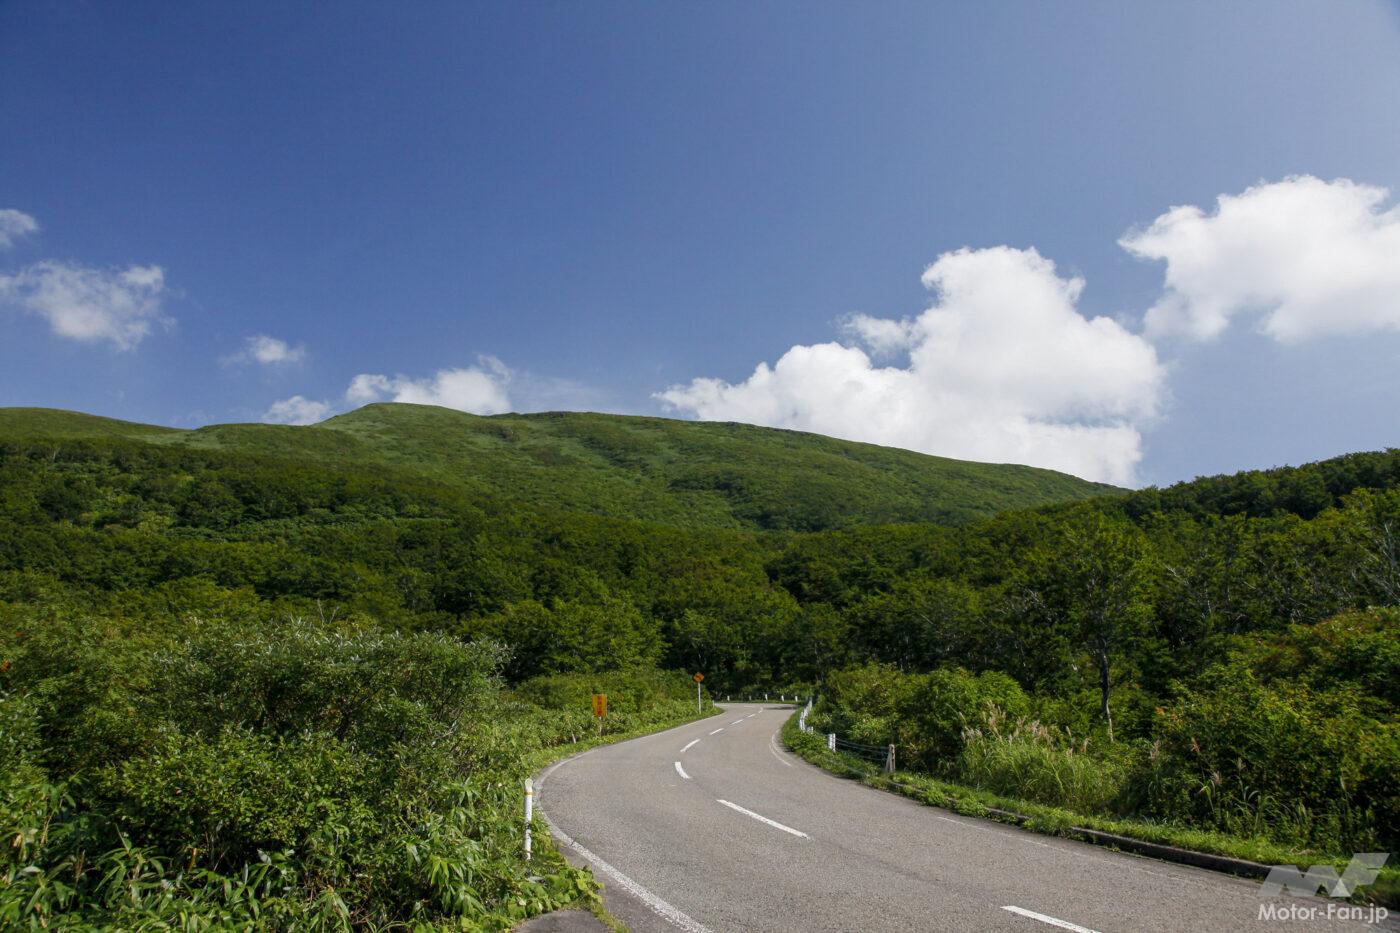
713, 826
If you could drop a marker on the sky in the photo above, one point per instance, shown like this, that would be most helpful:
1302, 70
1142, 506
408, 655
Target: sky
1135, 242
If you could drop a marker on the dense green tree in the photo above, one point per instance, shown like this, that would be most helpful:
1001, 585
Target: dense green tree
1093, 582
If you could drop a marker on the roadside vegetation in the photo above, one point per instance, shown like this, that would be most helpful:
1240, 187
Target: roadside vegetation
1068, 822
265, 771
242, 679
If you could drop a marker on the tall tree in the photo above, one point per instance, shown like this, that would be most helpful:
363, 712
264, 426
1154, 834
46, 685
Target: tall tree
1093, 580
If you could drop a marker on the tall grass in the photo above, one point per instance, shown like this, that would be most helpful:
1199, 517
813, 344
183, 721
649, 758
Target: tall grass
1026, 759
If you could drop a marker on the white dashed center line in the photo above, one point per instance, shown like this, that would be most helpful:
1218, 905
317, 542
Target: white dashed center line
773, 823
718, 731
1052, 921
681, 771
688, 744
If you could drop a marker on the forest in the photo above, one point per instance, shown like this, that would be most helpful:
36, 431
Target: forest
241, 684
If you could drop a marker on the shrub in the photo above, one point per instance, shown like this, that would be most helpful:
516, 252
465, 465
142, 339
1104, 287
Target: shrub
1281, 761
256, 773
943, 705
233, 795
925, 715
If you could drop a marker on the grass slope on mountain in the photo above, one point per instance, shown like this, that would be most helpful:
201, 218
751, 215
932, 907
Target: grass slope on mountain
684, 473
60, 424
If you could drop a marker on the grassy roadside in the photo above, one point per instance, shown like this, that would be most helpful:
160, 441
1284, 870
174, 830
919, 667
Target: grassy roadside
546, 853
1053, 821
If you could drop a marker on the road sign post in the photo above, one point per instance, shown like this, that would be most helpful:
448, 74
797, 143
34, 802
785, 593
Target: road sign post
600, 709
698, 677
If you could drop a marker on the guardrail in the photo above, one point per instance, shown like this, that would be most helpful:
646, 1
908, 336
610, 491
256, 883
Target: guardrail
766, 698
881, 755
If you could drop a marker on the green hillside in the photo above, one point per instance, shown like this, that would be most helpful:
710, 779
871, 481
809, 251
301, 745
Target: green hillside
244, 666
685, 473
53, 422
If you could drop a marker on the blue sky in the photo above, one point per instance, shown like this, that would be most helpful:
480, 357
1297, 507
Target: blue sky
630, 207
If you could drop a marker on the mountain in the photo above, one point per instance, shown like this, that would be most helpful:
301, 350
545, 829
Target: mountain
684, 473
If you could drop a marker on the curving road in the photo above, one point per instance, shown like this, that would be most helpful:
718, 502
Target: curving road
713, 826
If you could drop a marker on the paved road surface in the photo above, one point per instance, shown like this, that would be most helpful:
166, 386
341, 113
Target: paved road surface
712, 826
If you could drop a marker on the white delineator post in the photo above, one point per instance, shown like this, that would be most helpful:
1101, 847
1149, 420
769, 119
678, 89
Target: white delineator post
889, 760
831, 741
529, 813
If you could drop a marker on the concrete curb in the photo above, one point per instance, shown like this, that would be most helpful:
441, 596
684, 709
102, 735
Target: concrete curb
1167, 853
1208, 860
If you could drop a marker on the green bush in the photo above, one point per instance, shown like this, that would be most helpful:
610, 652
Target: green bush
570, 635
240, 792
280, 773
925, 715
1283, 761
863, 703
941, 708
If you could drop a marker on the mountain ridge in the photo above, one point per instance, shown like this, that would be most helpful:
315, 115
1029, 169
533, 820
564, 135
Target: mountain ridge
686, 473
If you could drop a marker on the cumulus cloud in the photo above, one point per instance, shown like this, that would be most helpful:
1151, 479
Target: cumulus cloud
480, 389
89, 304
1311, 258
1002, 367
883, 336
13, 225
267, 351
297, 410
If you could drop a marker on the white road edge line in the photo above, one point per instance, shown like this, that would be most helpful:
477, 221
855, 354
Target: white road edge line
659, 907
718, 731
681, 771
774, 823
1052, 921
665, 911
773, 747
688, 744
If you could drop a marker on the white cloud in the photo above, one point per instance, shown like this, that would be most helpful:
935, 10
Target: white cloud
480, 389
1313, 258
268, 351
1002, 367
13, 225
882, 335
89, 304
296, 410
